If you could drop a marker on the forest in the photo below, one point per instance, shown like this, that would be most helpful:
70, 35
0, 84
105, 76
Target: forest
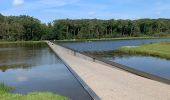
23, 27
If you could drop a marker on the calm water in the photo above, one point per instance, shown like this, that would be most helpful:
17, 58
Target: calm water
34, 67
153, 65
108, 45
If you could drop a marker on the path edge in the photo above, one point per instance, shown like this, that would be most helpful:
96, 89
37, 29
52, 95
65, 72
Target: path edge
93, 95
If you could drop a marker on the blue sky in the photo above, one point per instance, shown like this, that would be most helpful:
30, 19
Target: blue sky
48, 10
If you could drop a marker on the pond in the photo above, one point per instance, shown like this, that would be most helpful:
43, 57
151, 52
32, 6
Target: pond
152, 65
33, 67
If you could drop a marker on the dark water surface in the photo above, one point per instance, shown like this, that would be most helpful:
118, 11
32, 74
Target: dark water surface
153, 65
34, 67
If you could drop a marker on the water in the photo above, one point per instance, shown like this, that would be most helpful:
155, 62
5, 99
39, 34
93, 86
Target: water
34, 67
96, 46
153, 65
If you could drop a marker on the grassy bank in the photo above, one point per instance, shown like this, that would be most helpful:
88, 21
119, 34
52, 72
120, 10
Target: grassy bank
94, 39
161, 49
4, 88
8, 42
5, 95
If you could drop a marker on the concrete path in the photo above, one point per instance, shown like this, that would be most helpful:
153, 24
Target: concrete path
111, 83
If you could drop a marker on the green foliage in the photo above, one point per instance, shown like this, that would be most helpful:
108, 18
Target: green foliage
4, 88
5, 95
94, 28
32, 96
160, 49
28, 28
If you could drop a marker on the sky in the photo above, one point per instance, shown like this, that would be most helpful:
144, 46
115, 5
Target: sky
49, 10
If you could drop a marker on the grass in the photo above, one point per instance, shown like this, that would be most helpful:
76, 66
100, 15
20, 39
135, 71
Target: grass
93, 39
12, 42
4, 88
32, 96
6, 95
160, 49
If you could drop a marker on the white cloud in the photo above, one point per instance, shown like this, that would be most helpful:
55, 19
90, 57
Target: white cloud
37, 5
18, 2
21, 78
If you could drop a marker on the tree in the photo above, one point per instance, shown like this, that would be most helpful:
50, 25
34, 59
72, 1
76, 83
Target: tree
29, 28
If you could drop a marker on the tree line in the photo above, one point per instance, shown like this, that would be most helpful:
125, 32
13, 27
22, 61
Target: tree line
29, 28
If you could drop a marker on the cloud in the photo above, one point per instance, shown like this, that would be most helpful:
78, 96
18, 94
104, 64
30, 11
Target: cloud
35, 6
18, 2
22, 78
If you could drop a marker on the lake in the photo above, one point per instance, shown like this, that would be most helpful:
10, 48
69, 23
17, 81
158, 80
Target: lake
31, 67
98, 46
152, 65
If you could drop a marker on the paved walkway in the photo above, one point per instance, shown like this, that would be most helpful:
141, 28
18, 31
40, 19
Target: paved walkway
111, 83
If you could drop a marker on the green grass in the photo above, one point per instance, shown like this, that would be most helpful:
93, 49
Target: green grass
4, 88
6, 95
32, 96
161, 49
93, 39
12, 42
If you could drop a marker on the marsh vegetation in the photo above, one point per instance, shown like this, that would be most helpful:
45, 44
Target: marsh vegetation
161, 49
6, 95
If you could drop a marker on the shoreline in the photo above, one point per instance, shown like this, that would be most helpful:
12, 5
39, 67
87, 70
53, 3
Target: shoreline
84, 40
159, 49
110, 39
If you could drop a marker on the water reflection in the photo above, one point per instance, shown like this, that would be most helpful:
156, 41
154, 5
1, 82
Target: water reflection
105, 50
31, 67
153, 65
4, 68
